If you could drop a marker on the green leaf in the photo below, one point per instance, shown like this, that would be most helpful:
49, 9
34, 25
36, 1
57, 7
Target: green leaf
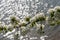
52, 24
24, 32
51, 11
57, 15
27, 19
4, 28
23, 24
1, 28
58, 22
58, 10
52, 14
10, 29
40, 19
32, 24
14, 21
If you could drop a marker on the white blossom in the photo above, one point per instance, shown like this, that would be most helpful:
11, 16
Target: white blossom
57, 7
51, 10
